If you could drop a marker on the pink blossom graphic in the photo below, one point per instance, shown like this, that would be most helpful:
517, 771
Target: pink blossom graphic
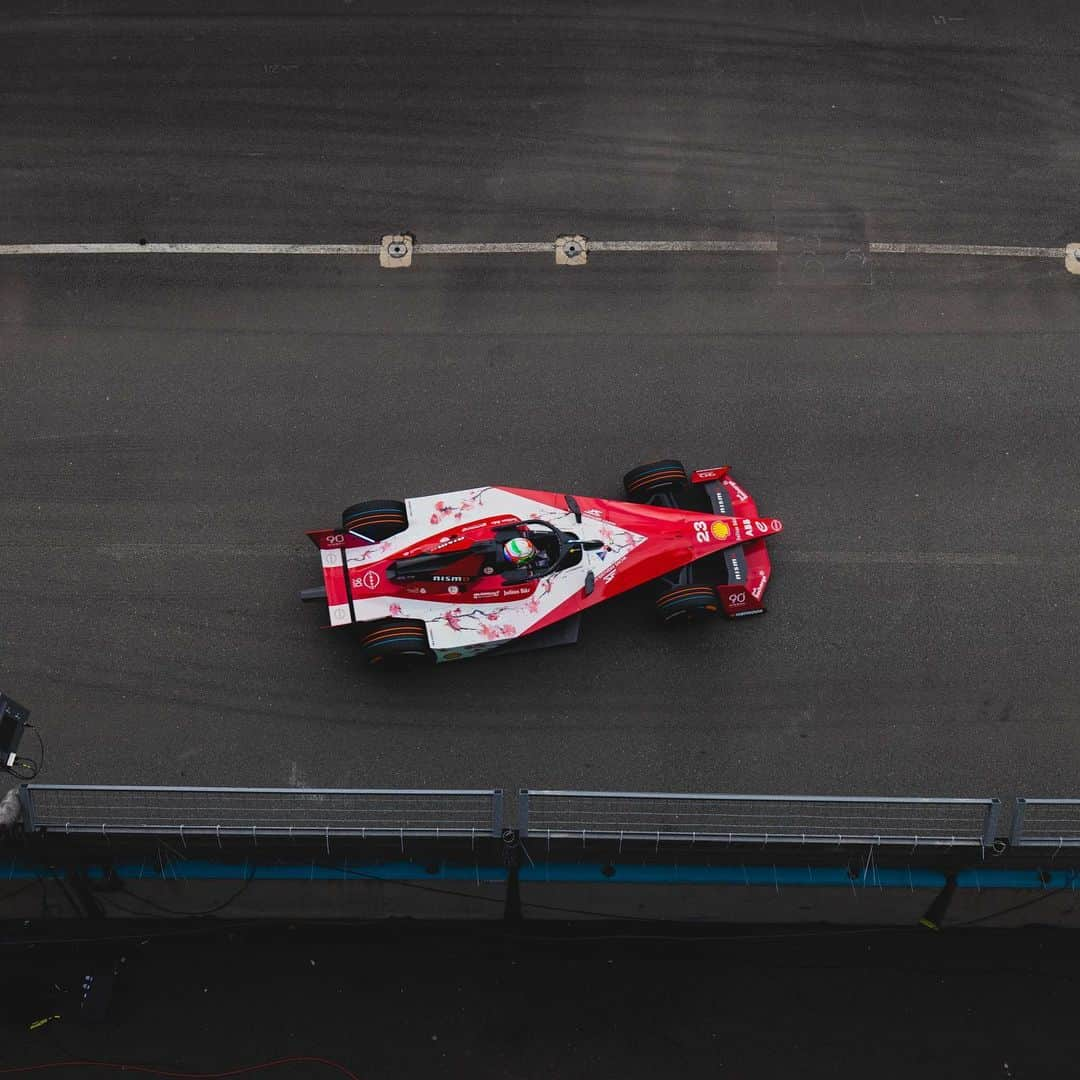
442, 510
506, 631
395, 609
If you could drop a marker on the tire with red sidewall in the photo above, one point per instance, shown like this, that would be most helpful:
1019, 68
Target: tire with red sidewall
377, 519
396, 643
645, 480
685, 603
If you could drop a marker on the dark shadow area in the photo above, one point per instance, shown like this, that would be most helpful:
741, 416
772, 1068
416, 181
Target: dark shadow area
419, 1000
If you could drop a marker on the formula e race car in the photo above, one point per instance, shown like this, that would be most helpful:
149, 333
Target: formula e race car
444, 577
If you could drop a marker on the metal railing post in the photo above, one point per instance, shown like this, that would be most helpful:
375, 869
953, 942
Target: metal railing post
27, 802
1016, 834
993, 812
523, 812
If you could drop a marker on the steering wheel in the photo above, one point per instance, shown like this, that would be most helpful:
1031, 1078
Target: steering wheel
560, 538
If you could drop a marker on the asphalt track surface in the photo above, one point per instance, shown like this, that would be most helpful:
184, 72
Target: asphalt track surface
172, 425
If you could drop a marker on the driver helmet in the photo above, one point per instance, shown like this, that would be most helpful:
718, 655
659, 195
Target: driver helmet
519, 551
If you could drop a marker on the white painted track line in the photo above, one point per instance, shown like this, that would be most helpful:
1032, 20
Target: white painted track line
749, 247
734, 246
189, 249
968, 249
524, 248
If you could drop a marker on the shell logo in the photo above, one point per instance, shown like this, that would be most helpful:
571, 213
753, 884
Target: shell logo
721, 530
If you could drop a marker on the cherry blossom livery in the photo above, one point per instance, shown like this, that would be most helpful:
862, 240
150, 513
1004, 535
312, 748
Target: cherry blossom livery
435, 577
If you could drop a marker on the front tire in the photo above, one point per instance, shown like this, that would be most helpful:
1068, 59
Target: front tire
686, 603
396, 643
641, 483
376, 519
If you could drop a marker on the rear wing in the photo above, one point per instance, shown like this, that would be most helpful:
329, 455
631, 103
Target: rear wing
335, 587
325, 539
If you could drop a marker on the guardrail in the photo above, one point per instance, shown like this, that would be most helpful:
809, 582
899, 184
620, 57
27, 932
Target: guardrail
787, 819
584, 816
1044, 823
261, 812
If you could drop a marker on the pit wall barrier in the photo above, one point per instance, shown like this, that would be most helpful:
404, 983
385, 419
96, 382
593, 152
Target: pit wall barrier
269, 853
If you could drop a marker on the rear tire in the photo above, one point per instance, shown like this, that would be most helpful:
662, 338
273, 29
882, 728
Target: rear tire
646, 480
396, 643
377, 519
686, 603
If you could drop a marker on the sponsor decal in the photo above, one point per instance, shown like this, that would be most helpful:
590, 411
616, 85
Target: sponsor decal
759, 588
493, 523
735, 490
502, 594
593, 512
489, 569
736, 569
761, 526
776, 525
448, 577
609, 573
453, 590
720, 529
368, 580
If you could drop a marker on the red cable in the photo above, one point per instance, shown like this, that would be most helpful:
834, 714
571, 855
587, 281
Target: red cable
336, 1065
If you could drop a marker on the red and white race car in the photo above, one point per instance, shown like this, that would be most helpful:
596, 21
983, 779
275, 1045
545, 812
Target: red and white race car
431, 577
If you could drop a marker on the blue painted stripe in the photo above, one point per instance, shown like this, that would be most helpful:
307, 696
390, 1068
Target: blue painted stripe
584, 873
206, 870
823, 876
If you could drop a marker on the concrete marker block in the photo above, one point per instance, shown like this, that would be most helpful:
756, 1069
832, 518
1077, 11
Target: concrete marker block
396, 251
571, 251
1072, 258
